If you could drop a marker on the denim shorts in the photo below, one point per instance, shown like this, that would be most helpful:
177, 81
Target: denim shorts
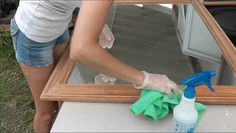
32, 53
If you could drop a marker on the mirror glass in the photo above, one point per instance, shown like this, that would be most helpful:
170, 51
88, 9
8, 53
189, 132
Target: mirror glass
163, 38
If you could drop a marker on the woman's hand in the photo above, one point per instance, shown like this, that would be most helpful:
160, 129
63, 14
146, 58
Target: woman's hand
158, 82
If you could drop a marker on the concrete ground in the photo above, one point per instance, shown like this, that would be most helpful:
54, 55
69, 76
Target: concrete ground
146, 39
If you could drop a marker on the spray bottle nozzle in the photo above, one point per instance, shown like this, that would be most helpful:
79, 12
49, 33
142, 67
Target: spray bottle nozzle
197, 80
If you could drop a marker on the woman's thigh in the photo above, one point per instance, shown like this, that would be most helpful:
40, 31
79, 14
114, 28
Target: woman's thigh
37, 63
37, 78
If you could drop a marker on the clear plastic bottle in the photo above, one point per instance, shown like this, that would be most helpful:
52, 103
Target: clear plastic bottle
185, 115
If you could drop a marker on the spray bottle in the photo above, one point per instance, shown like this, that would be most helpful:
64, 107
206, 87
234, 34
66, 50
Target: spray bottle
185, 115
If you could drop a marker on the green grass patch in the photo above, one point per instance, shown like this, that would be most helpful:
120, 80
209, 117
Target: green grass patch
16, 103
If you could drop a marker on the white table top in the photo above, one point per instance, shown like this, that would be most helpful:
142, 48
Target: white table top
110, 117
113, 117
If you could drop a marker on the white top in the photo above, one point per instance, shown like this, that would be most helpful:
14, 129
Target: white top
44, 20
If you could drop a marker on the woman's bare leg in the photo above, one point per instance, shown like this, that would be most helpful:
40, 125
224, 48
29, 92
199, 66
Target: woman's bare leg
37, 78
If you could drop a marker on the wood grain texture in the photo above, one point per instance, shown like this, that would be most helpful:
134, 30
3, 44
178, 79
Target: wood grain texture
128, 94
220, 3
126, 2
224, 43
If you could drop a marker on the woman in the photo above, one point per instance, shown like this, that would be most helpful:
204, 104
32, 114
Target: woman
40, 35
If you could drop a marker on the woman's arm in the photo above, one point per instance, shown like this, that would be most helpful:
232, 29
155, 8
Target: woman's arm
85, 47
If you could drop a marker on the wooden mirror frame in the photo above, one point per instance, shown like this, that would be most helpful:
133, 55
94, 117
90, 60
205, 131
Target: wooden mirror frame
57, 88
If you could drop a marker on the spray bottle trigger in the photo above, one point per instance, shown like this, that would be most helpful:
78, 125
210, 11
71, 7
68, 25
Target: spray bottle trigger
208, 84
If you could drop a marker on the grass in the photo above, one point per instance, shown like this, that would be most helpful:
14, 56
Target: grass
16, 104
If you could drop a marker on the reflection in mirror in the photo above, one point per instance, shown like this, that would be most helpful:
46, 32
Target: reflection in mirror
225, 16
170, 40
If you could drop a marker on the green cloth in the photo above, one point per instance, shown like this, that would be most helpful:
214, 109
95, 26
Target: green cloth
155, 105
